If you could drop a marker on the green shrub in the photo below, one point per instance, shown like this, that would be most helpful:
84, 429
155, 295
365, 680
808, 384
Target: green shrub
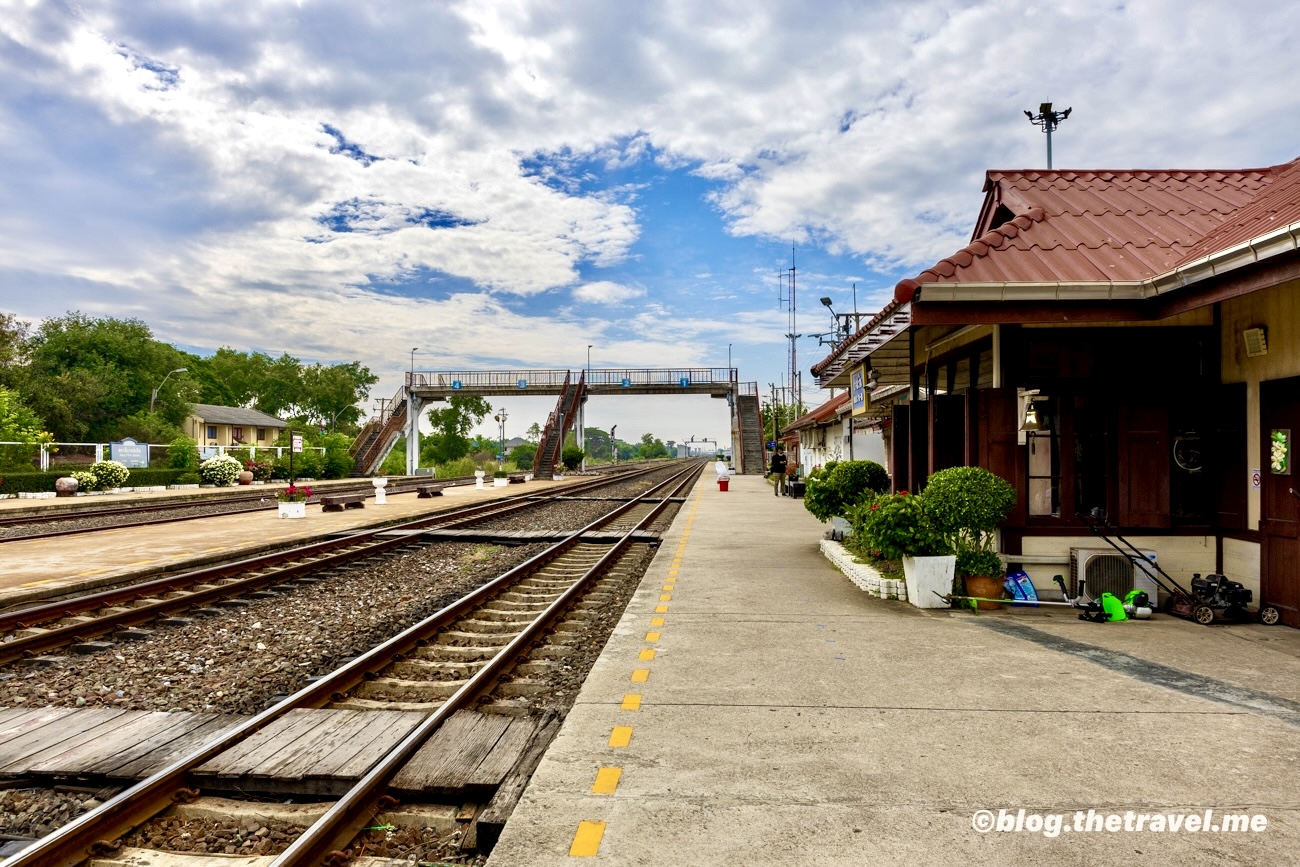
86, 480
842, 485
28, 482
337, 465
572, 457
898, 525
188, 479
183, 454
968, 504
109, 474
220, 471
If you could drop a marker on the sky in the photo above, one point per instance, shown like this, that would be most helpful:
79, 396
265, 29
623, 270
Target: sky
501, 183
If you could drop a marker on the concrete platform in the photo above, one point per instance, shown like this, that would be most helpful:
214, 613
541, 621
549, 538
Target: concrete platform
42, 568
754, 707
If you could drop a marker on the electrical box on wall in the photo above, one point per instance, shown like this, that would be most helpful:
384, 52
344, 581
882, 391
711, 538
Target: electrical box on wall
1256, 341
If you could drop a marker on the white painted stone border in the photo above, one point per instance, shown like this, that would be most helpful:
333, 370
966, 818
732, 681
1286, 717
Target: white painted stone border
864, 577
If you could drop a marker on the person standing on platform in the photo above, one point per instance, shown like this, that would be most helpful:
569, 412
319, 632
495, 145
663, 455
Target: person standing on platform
777, 470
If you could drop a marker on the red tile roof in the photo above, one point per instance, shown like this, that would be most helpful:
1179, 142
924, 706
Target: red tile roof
1278, 205
820, 414
1084, 226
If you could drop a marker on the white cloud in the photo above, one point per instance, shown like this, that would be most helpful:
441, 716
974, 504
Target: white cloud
173, 163
605, 292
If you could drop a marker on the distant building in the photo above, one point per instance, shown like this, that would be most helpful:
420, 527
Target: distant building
211, 425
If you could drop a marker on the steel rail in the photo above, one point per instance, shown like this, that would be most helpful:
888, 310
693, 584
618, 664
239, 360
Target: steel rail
265, 570
93, 831
322, 842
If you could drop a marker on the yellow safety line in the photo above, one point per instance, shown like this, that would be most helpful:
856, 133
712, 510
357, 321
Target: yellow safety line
606, 781
632, 701
640, 675
586, 840
647, 654
621, 736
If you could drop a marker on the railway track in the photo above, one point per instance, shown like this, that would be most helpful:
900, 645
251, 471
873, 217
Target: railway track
172, 600
23, 528
483, 651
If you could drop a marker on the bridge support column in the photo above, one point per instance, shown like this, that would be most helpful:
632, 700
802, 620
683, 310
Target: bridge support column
414, 409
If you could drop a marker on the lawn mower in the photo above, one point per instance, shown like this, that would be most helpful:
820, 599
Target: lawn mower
1106, 609
1211, 599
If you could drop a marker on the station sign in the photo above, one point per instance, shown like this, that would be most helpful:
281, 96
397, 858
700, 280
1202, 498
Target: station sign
456, 384
626, 383
130, 453
521, 383
859, 400
684, 381
295, 443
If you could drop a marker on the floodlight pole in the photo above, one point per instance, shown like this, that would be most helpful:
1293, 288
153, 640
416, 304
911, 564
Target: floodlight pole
1048, 119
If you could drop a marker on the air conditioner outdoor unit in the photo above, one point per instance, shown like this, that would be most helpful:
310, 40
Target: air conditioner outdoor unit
1106, 570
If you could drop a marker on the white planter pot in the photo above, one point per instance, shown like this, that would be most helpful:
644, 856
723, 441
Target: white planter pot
500, 482
927, 576
293, 510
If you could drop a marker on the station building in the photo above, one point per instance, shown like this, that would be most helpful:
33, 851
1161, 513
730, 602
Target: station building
1125, 340
211, 425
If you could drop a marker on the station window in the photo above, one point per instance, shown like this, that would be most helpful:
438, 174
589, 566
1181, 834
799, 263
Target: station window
237, 434
1045, 463
261, 434
212, 431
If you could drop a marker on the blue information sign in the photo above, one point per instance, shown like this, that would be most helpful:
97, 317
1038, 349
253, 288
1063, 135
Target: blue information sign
521, 383
455, 383
626, 383
684, 381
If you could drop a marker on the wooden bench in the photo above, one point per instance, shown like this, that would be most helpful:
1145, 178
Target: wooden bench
516, 478
339, 502
426, 491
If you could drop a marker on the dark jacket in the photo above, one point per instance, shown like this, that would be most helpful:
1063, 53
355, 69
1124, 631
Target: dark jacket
778, 463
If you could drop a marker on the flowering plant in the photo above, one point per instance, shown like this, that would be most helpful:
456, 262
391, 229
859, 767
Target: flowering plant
109, 474
261, 470
293, 494
221, 470
898, 525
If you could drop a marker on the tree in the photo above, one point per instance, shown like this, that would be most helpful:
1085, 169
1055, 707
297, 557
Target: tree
534, 433
18, 424
597, 443
652, 447
85, 375
13, 348
784, 414
451, 426
524, 454
330, 394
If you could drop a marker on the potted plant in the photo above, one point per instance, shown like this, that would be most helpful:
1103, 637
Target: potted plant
293, 501
900, 526
968, 504
500, 478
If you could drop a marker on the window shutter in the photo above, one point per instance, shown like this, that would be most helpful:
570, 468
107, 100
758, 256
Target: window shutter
1000, 451
1143, 466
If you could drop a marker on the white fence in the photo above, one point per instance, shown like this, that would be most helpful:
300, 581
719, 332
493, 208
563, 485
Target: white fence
41, 455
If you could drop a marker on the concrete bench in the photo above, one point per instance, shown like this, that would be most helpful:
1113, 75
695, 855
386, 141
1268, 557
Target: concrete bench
426, 491
516, 478
339, 502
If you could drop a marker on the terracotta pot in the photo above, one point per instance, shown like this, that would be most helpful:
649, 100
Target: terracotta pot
986, 586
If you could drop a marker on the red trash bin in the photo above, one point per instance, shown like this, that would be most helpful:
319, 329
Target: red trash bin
723, 482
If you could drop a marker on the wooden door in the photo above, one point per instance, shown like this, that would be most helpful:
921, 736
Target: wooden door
1280, 497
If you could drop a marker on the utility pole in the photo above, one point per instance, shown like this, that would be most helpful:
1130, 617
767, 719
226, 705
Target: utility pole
1048, 120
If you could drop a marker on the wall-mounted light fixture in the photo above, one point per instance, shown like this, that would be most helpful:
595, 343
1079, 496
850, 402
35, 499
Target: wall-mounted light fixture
1256, 341
1030, 421
873, 379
